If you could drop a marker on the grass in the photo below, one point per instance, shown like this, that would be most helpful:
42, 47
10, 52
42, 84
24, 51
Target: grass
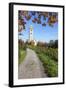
22, 54
51, 67
49, 58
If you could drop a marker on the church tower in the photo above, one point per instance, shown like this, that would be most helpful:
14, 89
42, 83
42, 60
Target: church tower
31, 33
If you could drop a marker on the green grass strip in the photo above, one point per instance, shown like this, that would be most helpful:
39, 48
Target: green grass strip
51, 67
22, 54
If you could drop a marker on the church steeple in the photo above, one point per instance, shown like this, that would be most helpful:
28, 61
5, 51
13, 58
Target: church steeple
31, 33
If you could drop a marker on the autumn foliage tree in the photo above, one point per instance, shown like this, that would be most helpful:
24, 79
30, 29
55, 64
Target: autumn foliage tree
24, 16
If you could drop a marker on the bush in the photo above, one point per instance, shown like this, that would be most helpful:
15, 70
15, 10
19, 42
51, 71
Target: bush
51, 52
51, 67
21, 56
21, 51
49, 58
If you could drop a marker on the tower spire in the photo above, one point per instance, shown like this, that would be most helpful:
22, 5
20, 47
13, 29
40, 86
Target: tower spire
31, 33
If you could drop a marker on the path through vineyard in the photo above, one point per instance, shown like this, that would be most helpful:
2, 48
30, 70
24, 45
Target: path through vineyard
31, 67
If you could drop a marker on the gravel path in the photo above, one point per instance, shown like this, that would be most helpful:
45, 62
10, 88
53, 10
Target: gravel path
31, 67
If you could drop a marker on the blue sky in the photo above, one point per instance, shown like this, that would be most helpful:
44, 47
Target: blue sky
41, 33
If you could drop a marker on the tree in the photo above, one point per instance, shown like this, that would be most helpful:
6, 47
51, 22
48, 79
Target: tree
56, 43
24, 16
40, 44
53, 44
32, 43
21, 43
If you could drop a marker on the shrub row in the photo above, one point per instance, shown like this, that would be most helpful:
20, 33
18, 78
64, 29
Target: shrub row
49, 58
51, 67
51, 52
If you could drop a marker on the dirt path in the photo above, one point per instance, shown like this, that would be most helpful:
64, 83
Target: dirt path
31, 67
